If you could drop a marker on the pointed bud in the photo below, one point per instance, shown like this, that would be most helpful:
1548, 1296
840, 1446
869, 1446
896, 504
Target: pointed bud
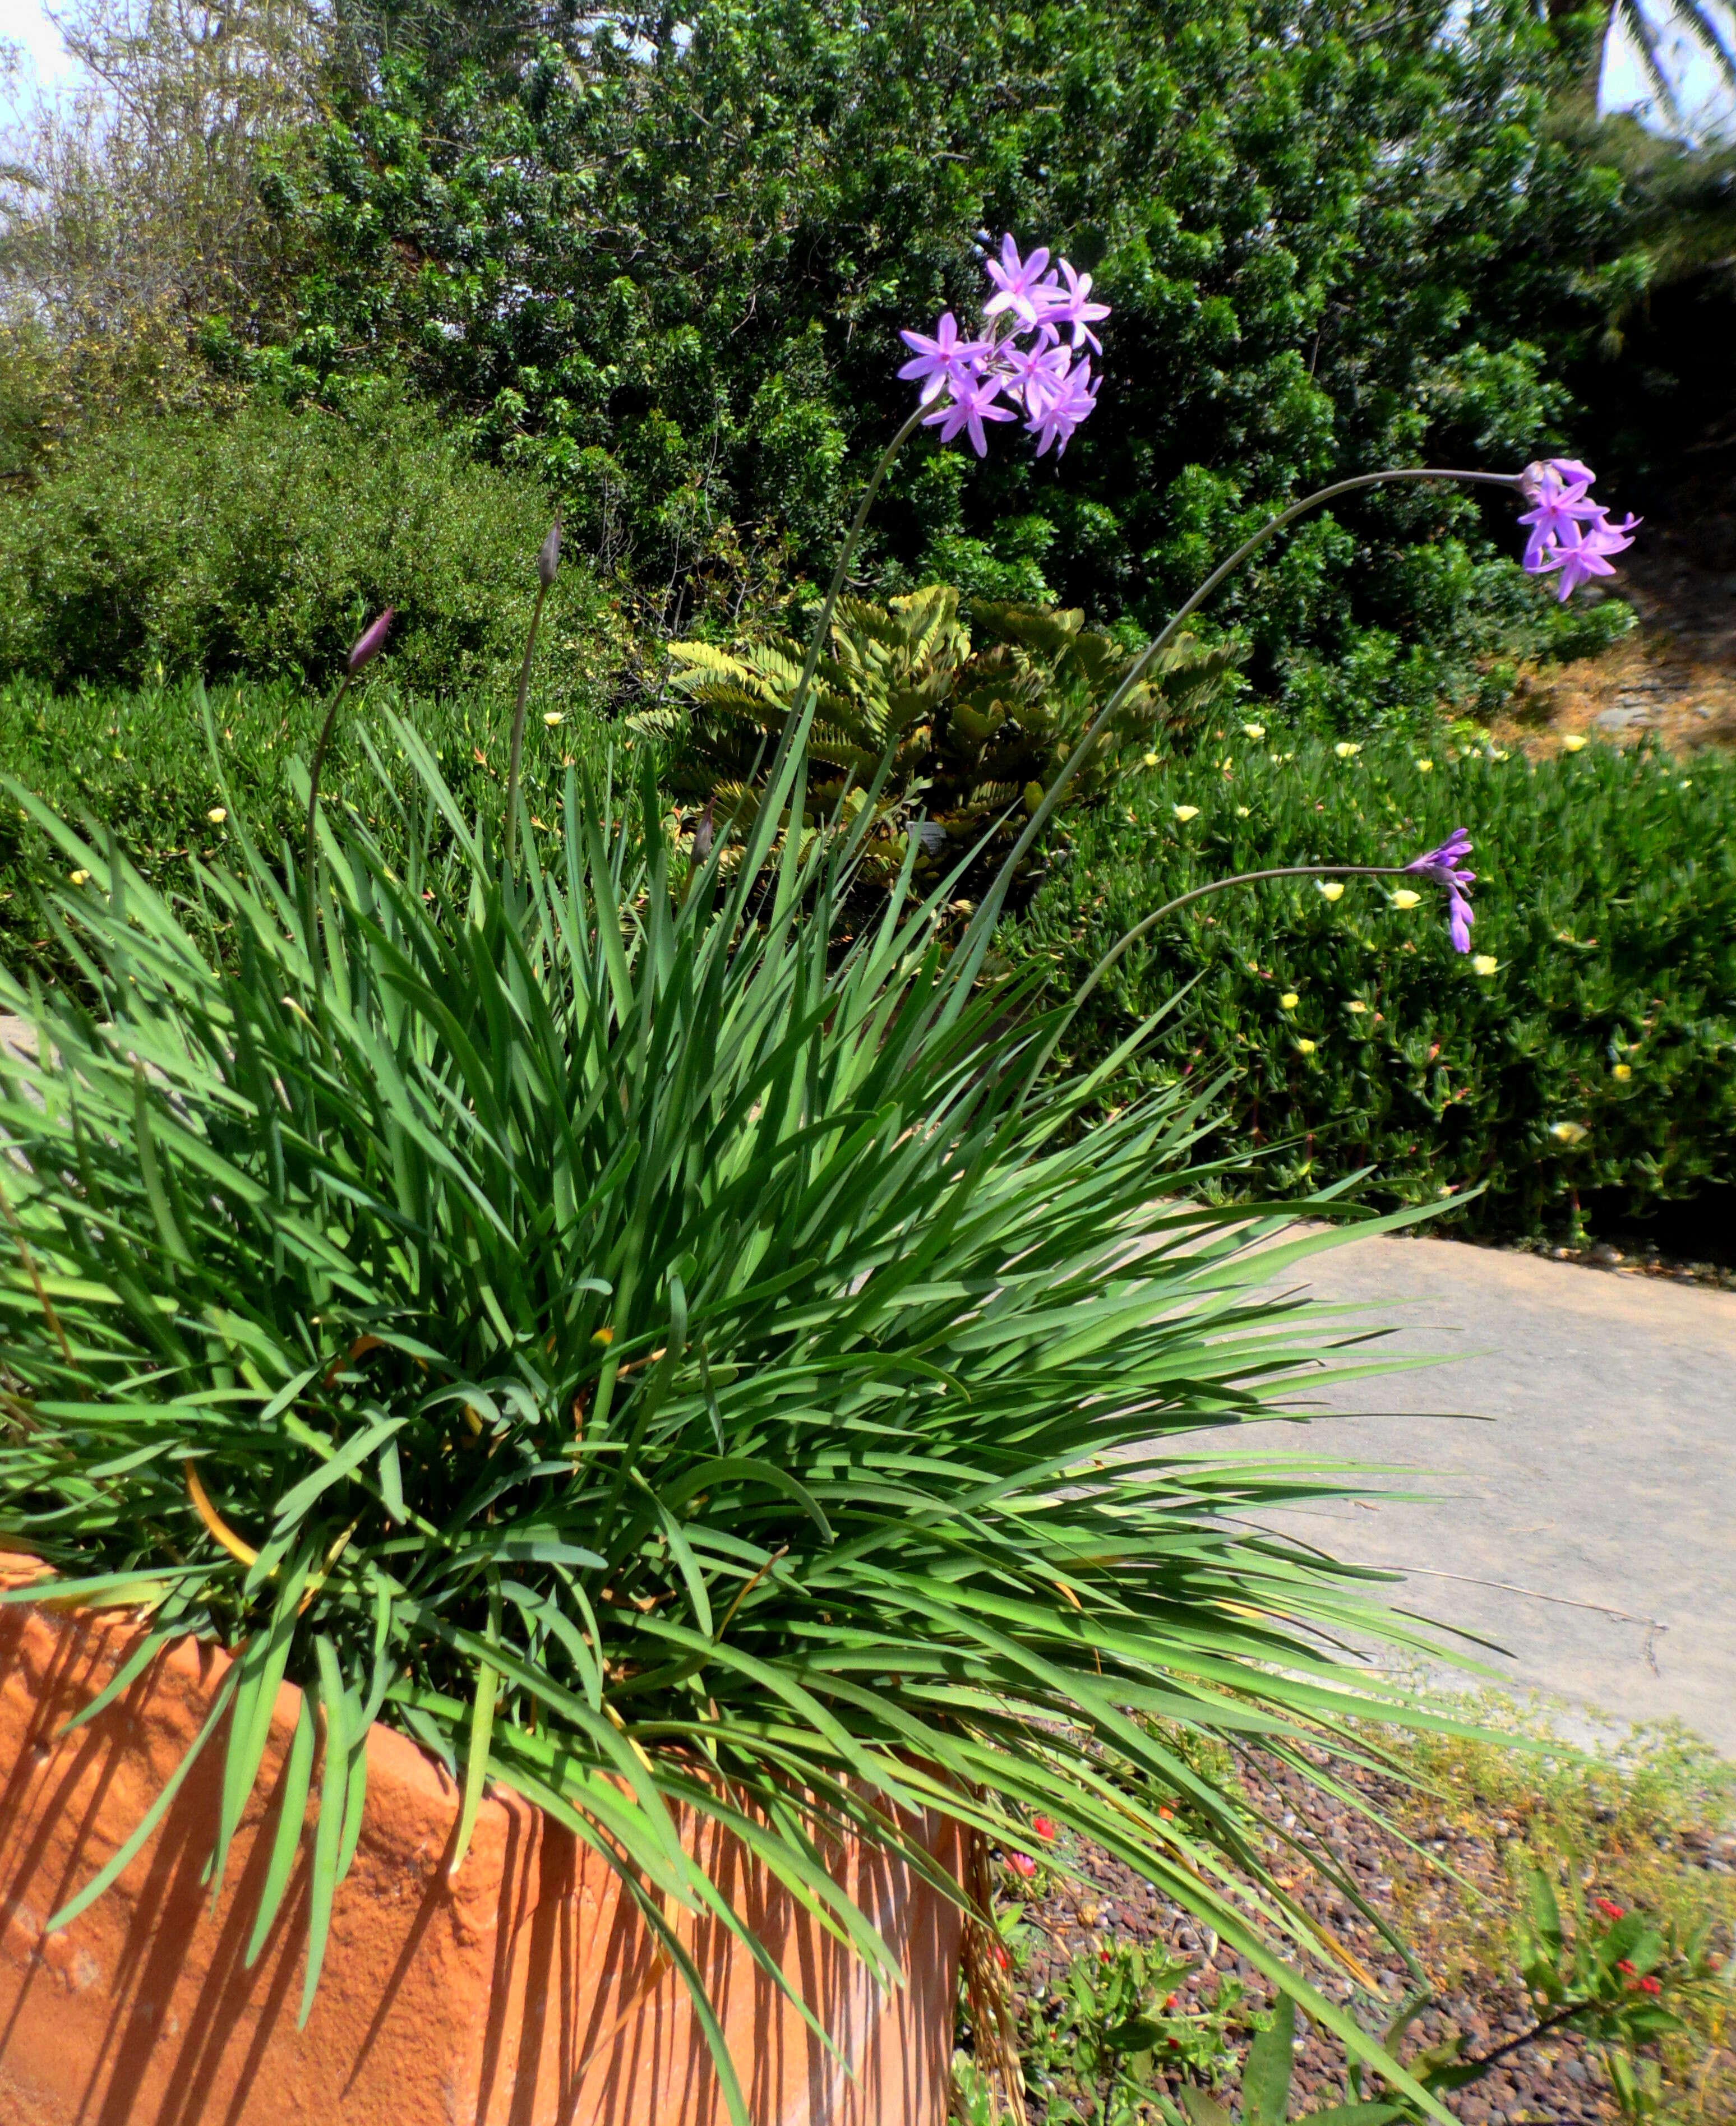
371, 641
549, 555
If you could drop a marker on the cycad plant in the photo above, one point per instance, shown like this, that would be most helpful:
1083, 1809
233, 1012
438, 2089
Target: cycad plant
964, 712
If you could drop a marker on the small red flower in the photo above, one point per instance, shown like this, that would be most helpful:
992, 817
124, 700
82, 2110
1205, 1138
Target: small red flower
1043, 1827
1002, 1959
1169, 2004
1609, 1911
1167, 1814
1022, 1863
1104, 1956
1623, 1965
1649, 1985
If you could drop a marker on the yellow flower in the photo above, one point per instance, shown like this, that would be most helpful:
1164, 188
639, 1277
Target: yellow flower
1344, 750
1304, 1047
1288, 1001
553, 716
1623, 1071
1332, 889
1404, 898
1242, 811
1566, 1132
216, 816
1574, 742
79, 877
1355, 1004
1425, 767
1484, 963
1255, 731
1150, 760
1186, 812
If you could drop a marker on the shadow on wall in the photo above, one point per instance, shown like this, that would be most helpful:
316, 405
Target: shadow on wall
530, 1993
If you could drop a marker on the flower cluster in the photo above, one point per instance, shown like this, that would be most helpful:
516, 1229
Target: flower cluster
1022, 363
1443, 866
1569, 532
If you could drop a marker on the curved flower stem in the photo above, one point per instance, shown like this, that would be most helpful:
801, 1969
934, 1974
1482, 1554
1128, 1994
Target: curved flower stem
313, 814
516, 754
816, 647
795, 724
1217, 886
983, 922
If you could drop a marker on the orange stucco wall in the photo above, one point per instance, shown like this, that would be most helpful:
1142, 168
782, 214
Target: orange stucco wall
525, 1995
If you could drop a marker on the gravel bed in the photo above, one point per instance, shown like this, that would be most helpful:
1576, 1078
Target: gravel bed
1554, 2079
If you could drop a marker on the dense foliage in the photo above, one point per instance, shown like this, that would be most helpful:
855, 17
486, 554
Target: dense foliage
1589, 1042
659, 1362
668, 270
140, 764
258, 542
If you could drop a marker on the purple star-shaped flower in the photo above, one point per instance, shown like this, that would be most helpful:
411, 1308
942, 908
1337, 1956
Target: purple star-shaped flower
1034, 374
1569, 532
1023, 289
1063, 409
1075, 308
1023, 364
1581, 554
945, 362
967, 409
1443, 866
1560, 508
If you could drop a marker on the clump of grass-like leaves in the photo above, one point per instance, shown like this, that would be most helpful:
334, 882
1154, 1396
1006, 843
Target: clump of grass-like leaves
656, 1357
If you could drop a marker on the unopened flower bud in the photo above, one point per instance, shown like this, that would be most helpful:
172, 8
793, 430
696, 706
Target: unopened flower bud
369, 644
548, 555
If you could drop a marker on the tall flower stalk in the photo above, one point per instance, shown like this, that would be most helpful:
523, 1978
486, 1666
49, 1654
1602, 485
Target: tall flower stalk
1020, 363
363, 652
548, 560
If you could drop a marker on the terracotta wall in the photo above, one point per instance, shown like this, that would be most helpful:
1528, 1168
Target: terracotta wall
525, 1995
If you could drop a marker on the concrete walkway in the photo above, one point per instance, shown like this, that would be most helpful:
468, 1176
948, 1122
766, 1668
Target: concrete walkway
1582, 1446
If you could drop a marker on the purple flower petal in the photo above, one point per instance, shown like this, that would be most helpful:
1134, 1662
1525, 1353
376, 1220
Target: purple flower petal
1569, 532
1074, 308
369, 644
1024, 289
1443, 865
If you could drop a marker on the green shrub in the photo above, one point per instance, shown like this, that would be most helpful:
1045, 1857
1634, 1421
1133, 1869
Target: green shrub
139, 763
671, 275
1599, 1053
654, 1359
259, 543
